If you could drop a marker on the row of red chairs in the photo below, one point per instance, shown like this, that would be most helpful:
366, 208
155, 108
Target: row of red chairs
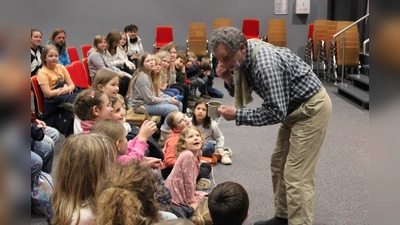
73, 52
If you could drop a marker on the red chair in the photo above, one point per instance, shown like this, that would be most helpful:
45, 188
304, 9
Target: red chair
164, 35
39, 97
310, 31
86, 67
73, 54
81, 74
251, 28
85, 49
78, 80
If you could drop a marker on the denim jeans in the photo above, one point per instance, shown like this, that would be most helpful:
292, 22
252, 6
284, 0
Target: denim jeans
163, 109
46, 153
171, 92
36, 165
208, 149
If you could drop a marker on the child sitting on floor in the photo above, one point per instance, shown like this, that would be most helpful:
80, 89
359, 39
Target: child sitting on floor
177, 121
182, 180
91, 105
210, 131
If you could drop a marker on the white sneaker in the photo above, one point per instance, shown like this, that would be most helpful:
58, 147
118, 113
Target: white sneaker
203, 184
226, 160
230, 153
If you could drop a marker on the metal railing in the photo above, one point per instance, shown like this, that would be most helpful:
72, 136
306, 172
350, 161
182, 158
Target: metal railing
365, 46
344, 39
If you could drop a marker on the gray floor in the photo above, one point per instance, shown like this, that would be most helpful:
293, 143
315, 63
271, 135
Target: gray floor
342, 193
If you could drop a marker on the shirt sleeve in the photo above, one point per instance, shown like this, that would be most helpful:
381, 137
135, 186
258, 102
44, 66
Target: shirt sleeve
169, 152
145, 92
136, 149
271, 88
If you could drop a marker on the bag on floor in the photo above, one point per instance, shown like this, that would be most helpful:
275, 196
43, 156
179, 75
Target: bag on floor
41, 195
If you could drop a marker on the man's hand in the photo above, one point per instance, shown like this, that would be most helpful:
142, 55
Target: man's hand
227, 111
224, 73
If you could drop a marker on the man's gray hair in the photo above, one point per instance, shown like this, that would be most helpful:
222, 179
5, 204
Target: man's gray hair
231, 37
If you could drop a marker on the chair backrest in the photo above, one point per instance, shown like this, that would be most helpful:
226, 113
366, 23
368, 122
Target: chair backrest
197, 39
251, 28
85, 49
220, 22
73, 54
39, 97
164, 35
198, 47
80, 75
310, 31
86, 67
78, 80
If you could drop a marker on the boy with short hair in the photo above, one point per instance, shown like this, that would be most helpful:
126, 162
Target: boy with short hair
207, 74
192, 73
228, 203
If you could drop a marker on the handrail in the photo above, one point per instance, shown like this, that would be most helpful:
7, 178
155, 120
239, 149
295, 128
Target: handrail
348, 27
365, 46
344, 40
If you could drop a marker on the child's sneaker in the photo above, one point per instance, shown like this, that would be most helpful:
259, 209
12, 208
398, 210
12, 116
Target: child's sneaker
226, 149
203, 184
226, 160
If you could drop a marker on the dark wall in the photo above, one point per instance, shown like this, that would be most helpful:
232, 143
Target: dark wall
83, 19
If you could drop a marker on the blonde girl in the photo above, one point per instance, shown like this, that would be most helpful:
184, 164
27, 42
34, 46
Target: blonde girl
161, 61
107, 81
214, 139
182, 180
172, 49
142, 92
135, 148
92, 105
58, 89
83, 159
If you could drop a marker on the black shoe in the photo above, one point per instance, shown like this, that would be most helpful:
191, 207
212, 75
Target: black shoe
273, 221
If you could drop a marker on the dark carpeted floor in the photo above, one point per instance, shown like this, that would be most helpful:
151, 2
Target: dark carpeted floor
342, 193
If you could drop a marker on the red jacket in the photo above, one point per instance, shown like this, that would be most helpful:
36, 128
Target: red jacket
169, 150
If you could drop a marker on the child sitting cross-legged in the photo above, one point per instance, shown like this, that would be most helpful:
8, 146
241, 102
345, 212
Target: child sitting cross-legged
210, 131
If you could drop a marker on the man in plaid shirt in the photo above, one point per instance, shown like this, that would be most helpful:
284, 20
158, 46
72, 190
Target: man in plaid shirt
293, 96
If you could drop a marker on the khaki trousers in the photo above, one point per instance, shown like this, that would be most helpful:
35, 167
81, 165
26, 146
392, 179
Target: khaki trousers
295, 157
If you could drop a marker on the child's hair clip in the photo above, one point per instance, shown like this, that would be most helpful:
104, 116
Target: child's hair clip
92, 95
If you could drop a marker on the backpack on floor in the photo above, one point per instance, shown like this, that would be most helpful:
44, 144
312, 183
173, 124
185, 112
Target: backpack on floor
41, 195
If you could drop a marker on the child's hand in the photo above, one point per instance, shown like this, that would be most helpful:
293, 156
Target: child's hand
153, 162
146, 130
189, 64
